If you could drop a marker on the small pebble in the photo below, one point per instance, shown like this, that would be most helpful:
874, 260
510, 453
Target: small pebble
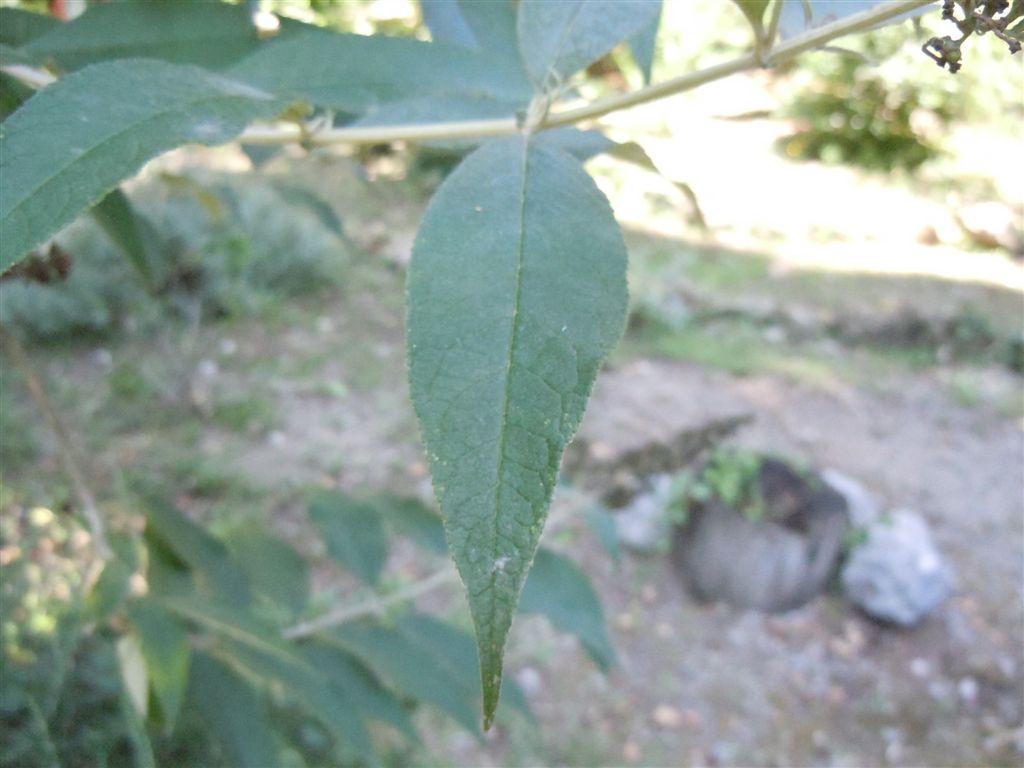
529, 680
648, 594
920, 667
625, 621
631, 752
665, 716
967, 688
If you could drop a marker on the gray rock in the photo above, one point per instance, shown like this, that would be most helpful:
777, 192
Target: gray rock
643, 525
862, 505
897, 574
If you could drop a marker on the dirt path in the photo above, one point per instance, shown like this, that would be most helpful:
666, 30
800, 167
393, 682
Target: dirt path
822, 685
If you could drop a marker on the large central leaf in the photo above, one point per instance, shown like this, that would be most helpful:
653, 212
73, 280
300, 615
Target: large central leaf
517, 292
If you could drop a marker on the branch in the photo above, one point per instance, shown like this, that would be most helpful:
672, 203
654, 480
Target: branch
373, 606
809, 40
86, 500
471, 129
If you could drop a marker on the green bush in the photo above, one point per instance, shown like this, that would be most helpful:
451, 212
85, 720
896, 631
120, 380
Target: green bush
223, 248
853, 114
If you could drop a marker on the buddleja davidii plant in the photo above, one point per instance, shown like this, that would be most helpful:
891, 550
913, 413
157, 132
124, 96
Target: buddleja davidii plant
517, 287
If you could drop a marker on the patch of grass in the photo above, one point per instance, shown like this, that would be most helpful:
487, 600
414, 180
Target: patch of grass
723, 270
249, 414
17, 442
736, 347
127, 383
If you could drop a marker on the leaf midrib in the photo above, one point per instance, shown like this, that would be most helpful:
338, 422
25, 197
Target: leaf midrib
513, 338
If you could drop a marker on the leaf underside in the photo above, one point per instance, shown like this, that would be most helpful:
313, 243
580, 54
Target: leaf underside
516, 293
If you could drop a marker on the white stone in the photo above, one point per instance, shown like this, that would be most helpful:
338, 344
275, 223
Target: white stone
897, 574
643, 524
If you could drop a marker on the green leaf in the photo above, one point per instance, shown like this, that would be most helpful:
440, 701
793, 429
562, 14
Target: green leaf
459, 649
353, 73
18, 27
632, 152
644, 44
432, 109
322, 210
13, 93
559, 590
447, 23
166, 651
135, 724
754, 12
256, 645
73, 142
411, 666
516, 293
488, 27
236, 625
274, 569
235, 714
799, 15
129, 231
602, 523
210, 34
290, 672
557, 38
208, 558
411, 518
583, 145
360, 686
112, 586
353, 533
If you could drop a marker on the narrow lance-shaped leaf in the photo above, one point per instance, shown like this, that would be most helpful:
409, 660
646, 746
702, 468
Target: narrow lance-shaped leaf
447, 23
353, 73
643, 46
353, 533
234, 713
798, 15
557, 38
213, 35
72, 142
517, 292
488, 26
164, 645
18, 26
754, 12
129, 230
558, 589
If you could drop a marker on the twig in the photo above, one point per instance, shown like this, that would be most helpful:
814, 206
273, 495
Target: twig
373, 606
86, 500
809, 40
773, 23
